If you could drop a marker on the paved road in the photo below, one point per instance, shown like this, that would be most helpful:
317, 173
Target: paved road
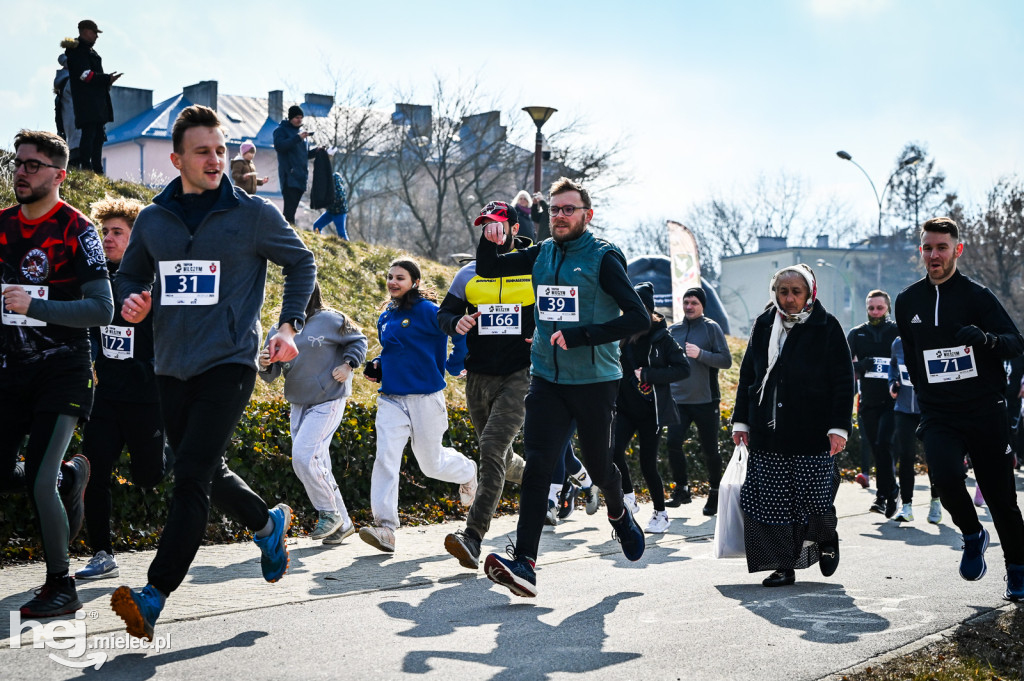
350, 612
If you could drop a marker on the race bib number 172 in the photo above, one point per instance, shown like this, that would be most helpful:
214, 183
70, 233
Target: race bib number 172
189, 282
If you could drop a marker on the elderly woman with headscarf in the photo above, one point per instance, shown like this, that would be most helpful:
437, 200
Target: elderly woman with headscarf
793, 410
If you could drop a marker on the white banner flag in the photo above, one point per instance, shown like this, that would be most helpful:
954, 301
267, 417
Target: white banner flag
685, 264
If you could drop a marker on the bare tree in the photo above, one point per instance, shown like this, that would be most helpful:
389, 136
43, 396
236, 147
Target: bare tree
919, 190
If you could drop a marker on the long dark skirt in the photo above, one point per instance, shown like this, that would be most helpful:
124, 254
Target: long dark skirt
788, 504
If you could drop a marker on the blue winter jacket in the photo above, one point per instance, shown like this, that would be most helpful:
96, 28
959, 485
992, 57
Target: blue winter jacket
293, 156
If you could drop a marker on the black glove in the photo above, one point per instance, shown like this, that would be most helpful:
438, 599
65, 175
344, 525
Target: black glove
865, 364
372, 370
972, 335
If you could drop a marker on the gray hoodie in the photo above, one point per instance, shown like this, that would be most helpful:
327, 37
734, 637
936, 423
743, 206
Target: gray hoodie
707, 335
328, 340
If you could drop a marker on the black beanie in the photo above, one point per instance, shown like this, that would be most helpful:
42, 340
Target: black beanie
698, 293
645, 290
295, 110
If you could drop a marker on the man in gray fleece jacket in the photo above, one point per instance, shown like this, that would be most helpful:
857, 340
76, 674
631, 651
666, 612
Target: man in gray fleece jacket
197, 261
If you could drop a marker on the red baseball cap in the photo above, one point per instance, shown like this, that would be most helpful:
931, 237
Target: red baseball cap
497, 211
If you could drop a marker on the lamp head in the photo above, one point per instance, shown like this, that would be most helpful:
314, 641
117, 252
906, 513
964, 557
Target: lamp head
843, 155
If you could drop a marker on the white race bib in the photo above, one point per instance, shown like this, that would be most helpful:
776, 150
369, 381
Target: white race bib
558, 303
880, 368
189, 282
949, 364
14, 319
498, 319
905, 376
118, 341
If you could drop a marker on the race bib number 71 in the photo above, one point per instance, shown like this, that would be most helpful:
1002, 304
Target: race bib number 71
189, 282
949, 364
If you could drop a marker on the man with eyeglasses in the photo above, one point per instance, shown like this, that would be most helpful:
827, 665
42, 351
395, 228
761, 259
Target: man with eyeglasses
584, 305
55, 286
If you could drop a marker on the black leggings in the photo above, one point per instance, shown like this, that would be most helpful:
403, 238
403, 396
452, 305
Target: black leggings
707, 419
904, 449
648, 436
112, 426
876, 427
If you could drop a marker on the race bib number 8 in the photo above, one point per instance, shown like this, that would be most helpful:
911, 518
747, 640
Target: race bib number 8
879, 368
189, 282
949, 364
558, 303
118, 342
14, 319
499, 320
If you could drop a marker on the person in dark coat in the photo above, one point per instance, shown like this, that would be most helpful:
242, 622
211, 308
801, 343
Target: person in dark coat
522, 206
293, 154
794, 404
90, 92
651, 362
541, 217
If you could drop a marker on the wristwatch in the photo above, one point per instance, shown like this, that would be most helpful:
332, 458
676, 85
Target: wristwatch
295, 323
352, 363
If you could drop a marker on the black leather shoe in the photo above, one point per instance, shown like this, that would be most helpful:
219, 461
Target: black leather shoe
711, 507
829, 560
680, 495
780, 578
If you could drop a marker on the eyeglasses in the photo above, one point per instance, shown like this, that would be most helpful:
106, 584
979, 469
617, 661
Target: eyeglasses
566, 210
31, 165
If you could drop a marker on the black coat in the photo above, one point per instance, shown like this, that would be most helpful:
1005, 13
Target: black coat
662, 362
809, 391
321, 192
91, 97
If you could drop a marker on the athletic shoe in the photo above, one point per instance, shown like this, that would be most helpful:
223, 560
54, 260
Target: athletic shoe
978, 499
73, 494
630, 501
906, 514
890, 506
680, 495
467, 490
935, 512
829, 560
552, 515
341, 535
628, 533
582, 479
56, 597
593, 499
780, 578
1014, 583
379, 537
514, 471
465, 547
100, 566
659, 523
878, 506
863, 480
138, 610
711, 506
274, 561
328, 523
567, 500
972, 563
516, 574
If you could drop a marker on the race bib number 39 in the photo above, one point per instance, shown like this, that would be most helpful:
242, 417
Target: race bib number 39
879, 368
118, 342
189, 282
558, 303
14, 319
499, 320
949, 364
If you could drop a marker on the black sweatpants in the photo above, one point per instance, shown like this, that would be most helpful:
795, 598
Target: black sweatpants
200, 415
550, 410
648, 433
876, 424
112, 426
707, 419
90, 149
904, 450
983, 434
292, 196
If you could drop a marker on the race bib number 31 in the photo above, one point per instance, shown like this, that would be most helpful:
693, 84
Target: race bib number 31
118, 342
949, 364
14, 319
499, 320
190, 282
558, 303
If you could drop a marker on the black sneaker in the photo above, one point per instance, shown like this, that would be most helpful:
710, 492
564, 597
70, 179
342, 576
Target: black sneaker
829, 560
567, 500
56, 597
73, 492
465, 547
680, 495
879, 506
711, 507
629, 535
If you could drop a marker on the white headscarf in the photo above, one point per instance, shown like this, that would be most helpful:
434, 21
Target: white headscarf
784, 321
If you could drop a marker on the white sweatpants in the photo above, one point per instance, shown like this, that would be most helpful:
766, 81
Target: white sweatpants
424, 418
313, 427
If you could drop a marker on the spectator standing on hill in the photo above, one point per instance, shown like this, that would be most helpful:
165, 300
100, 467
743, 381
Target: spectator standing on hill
243, 170
64, 109
90, 90
293, 155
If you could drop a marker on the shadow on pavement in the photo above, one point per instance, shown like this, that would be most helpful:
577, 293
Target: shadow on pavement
140, 666
909, 534
376, 571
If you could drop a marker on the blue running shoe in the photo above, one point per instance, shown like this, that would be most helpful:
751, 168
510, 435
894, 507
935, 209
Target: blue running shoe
972, 563
629, 534
1014, 583
274, 561
515, 573
138, 610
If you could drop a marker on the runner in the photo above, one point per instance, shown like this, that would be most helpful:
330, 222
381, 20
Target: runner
126, 410
956, 335
197, 261
410, 404
870, 346
584, 298
317, 383
55, 286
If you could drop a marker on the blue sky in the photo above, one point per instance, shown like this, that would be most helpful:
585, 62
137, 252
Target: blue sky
710, 94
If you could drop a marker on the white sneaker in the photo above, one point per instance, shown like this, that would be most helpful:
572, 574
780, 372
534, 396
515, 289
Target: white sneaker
630, 501
379, 537
551, 518
100, 566
935, 512
906, 514
328, 523
342, 534
659, 523
467, 490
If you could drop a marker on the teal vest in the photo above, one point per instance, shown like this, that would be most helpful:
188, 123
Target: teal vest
574, 263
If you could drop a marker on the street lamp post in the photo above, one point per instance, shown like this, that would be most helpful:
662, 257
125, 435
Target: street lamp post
905, 163
540, 116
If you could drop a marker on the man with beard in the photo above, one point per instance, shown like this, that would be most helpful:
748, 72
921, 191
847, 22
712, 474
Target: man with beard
55, 286
585, 304
90, 93
956, 336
